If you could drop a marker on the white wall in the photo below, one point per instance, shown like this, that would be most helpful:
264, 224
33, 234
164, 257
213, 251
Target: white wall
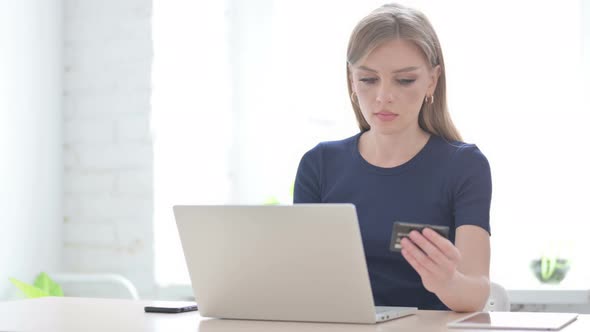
107, 144
30, 139
585, 5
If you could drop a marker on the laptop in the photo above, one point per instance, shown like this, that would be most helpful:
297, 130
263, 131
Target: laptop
302, 262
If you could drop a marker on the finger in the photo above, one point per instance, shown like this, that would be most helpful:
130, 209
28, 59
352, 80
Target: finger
430, 249
421, 270
418, 255
446, 246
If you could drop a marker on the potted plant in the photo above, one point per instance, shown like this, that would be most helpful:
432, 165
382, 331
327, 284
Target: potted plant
43, 286
550, 269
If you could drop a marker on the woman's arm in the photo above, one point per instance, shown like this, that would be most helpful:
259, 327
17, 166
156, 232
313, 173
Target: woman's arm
457, 274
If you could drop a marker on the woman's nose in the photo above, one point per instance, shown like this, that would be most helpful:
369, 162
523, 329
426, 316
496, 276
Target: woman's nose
385, 94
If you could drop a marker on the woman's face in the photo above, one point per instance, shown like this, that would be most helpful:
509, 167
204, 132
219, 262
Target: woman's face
391, 83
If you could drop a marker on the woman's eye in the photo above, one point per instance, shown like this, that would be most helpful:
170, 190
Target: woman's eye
368, 80
406, 81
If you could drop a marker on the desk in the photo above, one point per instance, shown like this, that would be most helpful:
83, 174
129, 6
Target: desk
53, 314
549, 295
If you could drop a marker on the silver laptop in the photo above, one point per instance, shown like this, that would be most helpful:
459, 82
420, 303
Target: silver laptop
301, 262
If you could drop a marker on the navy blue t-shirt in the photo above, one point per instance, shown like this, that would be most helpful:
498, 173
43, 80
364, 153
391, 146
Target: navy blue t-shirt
446, 183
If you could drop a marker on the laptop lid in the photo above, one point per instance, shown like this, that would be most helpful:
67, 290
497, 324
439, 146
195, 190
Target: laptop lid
300, 262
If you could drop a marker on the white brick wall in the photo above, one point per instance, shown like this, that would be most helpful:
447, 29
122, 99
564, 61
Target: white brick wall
107, 144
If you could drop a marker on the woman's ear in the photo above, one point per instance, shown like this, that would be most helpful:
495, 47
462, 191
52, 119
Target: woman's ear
434, 75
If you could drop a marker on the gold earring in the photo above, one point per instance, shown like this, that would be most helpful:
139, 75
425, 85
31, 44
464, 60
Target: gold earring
429, 100
354, 98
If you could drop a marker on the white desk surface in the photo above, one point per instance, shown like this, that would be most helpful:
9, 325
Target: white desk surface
53, 314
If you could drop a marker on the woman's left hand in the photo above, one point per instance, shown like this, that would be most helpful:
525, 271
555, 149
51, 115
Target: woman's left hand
434, 258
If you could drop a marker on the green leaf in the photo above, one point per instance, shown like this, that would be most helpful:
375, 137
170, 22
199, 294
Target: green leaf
29, 291
47, 285
272, 201
548, 266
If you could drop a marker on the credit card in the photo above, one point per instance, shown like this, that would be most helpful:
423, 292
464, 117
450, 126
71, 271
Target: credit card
403, 229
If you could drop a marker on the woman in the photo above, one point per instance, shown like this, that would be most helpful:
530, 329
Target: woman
407, 164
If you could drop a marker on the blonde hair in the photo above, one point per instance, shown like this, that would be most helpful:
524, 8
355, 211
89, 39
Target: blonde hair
394, 21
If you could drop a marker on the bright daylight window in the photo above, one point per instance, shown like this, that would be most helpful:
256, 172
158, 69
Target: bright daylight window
243, 89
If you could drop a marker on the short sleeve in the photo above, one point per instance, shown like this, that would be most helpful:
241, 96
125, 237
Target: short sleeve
472, 190
308, 178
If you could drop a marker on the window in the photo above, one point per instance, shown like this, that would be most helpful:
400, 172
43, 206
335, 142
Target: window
191, 123
242, 90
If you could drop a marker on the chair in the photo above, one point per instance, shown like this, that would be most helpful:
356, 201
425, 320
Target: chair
107, 285
498, 300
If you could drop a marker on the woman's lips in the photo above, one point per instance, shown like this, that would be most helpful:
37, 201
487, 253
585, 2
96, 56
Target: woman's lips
386, 116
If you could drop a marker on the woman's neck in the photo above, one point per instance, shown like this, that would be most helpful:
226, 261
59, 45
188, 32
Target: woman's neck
391, 150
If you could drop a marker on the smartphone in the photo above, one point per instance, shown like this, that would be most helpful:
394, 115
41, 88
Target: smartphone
403, 229
171, 307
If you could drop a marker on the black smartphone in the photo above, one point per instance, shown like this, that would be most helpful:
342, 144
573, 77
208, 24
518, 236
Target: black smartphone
171, 308
403, 229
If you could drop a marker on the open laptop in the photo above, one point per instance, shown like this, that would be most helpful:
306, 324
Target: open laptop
301, 262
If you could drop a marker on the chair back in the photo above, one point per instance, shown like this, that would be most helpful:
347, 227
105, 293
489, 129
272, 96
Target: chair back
498, 300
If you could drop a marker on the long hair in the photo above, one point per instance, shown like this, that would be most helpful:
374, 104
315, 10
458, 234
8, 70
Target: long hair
394, 21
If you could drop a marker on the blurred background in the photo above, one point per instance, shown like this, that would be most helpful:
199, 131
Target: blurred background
113, 111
